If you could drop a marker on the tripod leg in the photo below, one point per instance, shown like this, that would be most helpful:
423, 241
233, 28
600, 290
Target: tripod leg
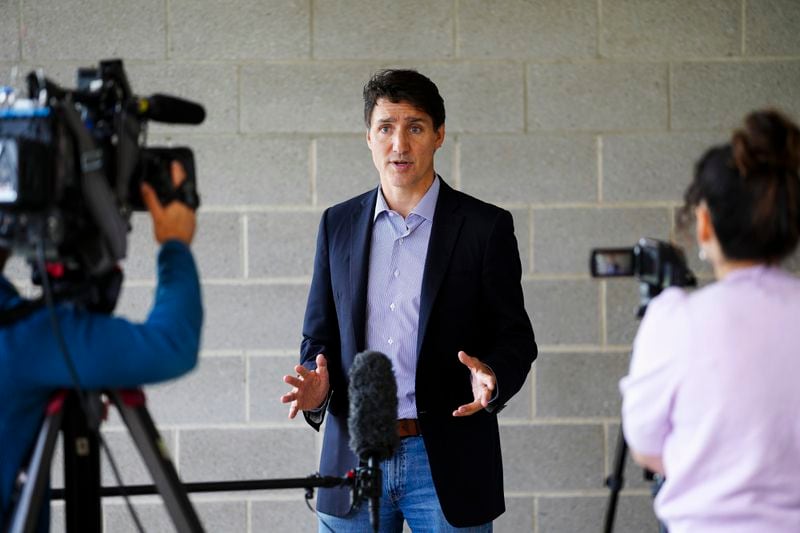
154, 453
81, 467
615, 482
37, 476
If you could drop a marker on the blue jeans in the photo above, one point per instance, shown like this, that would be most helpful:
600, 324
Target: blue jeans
408, 494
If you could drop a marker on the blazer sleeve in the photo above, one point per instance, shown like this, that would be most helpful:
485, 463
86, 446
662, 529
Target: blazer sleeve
320, 324
513, 344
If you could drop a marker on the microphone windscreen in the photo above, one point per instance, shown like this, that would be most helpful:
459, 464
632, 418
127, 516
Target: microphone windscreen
372, 419
171, 109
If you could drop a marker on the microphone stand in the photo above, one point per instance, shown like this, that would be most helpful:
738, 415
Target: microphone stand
370, 487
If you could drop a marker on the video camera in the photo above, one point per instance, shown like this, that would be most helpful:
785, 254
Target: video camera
656, 264
71, 165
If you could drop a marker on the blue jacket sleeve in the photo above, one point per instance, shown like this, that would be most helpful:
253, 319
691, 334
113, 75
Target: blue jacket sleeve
112, 352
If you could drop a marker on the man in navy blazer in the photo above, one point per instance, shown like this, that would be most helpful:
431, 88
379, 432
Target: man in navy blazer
431, 277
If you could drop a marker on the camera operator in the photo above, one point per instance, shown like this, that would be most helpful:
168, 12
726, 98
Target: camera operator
712, 397
107, 352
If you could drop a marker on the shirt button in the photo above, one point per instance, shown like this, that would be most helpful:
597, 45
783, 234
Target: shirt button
391, 341
401, 241
391, 307
396, 273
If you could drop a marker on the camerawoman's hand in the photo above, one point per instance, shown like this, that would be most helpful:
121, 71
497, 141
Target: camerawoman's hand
310, 387
174, 220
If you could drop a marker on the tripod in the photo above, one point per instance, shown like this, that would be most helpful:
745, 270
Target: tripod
82, 490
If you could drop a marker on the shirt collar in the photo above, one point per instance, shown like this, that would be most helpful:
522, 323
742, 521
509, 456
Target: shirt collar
425, 208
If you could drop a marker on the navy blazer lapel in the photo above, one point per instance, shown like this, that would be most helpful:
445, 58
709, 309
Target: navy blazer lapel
444, 233
360, 236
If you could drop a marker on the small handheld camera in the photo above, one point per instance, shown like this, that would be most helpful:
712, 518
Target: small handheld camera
655, 263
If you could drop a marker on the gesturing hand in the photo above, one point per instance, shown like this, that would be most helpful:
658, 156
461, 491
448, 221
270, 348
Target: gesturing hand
309, 387
483, 383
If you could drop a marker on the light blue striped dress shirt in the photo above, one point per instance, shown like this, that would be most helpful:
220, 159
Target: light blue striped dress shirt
396, 264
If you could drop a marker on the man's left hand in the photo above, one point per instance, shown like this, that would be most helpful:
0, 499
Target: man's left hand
483, 383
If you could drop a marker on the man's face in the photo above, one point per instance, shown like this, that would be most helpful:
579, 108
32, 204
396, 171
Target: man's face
402, 140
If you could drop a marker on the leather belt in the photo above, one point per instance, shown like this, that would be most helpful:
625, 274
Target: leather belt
408, 427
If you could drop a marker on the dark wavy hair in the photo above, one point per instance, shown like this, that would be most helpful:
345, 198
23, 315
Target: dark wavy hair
404, 86
752, 189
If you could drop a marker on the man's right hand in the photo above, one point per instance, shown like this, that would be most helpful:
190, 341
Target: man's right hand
174, 220
309, 387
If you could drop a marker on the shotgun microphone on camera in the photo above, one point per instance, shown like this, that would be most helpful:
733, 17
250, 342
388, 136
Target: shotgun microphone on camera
169, 109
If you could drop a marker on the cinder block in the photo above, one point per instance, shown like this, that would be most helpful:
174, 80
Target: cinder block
520, 407
597, 96
141, 261
76, 29
254, 316
622, 304
719, 95
281, 243
150, 511
579, 384
554, 457
213, 85
135, 302
652, 166
585, 513
265, 382
217, 247
228, 516
62, 73
522, 231
9, 28
303, 98
564, 238
563, 312
366, 29
480, 97
771, 28
128, 459
251, 170
518, 517
671, 28
529, 168
17, 270
345, 169
221, 515
57, 517
287, 514
527, 30
240, 454
213, 393
241, 30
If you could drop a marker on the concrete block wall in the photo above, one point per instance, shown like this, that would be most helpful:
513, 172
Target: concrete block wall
583, 117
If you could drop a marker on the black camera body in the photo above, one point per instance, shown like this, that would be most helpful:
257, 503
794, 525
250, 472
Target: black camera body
656, 264
72, 162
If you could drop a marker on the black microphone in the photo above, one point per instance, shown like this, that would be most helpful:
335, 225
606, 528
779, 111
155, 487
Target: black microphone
170, 109
372, 421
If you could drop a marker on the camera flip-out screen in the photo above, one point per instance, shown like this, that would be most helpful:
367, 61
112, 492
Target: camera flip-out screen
610, 262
